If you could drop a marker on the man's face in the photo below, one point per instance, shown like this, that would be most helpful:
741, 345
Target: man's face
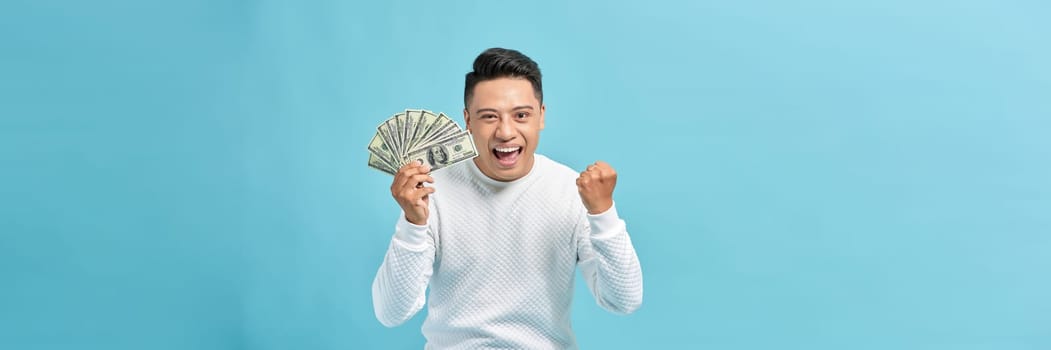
505, 118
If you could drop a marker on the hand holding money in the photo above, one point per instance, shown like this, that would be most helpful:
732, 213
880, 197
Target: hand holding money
595, 185
410, 193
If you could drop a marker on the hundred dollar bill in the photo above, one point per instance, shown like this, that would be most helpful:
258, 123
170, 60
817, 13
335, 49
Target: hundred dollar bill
379, 164
388, 133
427, 121
444, 128
455, 149
379, 147
399, 128
412, 124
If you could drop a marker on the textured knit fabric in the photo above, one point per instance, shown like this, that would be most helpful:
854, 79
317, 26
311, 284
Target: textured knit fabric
500, 259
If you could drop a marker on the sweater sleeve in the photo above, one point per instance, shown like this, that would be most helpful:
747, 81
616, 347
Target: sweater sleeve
398, 291
608, 262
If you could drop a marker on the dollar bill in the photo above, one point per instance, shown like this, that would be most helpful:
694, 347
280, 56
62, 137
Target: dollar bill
390, 135
379, 164
444, 128
399, 128
379, 148
427, 121
412, 123
455, 149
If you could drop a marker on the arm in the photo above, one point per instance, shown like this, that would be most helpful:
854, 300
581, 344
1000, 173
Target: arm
608, 262
399, 287
398, 291
604, 250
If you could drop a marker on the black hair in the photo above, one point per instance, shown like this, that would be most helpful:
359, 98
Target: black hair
502, 63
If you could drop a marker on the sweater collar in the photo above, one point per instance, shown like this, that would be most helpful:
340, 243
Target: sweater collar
488, 181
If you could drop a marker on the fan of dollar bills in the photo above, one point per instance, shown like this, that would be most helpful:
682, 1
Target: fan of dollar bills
416, 134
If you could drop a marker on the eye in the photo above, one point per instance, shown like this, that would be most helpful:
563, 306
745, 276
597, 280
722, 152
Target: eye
488, 116
521, 115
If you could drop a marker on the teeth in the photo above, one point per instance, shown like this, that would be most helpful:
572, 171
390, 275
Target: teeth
508, 149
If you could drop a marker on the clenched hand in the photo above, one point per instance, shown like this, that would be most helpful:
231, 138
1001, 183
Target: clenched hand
595, 185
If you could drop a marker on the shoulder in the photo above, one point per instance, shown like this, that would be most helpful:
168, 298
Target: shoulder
559, 189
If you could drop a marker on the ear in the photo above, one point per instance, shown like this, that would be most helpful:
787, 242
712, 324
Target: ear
543, 110
466, 119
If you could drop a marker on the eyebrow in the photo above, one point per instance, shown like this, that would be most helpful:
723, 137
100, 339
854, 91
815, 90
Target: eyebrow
495, 111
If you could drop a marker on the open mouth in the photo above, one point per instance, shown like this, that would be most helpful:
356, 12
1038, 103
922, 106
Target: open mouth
507, 156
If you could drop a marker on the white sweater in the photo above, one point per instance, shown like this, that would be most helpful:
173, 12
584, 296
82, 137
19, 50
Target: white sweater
500, 259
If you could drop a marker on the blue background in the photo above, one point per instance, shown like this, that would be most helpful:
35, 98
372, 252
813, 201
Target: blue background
795, 175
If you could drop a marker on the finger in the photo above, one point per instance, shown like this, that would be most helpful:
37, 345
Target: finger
418, 180
421, 194
405, 173
409, 166
408, 192
405, 170
591, 173
407, 195
425, 193
605, 169
413, 194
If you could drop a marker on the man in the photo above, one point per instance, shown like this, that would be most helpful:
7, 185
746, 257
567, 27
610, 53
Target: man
498, 239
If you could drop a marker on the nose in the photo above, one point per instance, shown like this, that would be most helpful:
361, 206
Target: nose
505, 131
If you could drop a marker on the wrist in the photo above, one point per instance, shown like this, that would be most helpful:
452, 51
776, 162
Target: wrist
416, 221
600, 207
